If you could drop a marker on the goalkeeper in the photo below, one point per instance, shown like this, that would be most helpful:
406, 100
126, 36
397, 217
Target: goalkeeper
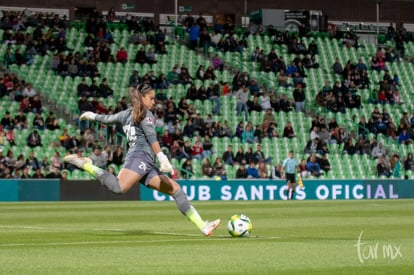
140, 166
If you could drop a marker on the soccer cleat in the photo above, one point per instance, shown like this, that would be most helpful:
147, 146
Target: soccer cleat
209, 227
79, 162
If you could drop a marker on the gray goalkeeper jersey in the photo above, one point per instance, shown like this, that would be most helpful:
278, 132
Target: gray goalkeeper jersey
140, 136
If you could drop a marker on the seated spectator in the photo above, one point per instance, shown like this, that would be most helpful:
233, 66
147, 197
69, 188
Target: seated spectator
228, 155
38, 122
409, 162
303, 169
51, 122
150, 57
207, 168
288, 131
218, 168
35, 104
241, 172
122, 55
378, 151
140, 56
99, 159
32, 161
187, 169
337, 67
197, 150
383, 168
404, 137
252, 172
324, 163
104, 90
313, 166
34, 139
7, 121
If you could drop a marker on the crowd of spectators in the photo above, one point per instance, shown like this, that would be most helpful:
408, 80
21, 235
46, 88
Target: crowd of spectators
186, 133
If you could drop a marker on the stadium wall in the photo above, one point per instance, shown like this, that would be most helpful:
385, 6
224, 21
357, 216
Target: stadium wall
352, 10
204, 190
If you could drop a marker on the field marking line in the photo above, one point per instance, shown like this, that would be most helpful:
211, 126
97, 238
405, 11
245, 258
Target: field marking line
116, 242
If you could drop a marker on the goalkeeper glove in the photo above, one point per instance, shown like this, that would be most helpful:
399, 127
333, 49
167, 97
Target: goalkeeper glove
165, 165
87, 116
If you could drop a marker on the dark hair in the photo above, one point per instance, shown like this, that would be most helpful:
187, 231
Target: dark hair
136, 93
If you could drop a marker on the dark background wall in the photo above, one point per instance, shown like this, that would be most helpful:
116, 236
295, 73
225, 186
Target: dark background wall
351, 10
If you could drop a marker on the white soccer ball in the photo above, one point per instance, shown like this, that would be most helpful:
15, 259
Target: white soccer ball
239, 225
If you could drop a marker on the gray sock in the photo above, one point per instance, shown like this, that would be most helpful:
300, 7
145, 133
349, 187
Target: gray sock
110, 181
182, 201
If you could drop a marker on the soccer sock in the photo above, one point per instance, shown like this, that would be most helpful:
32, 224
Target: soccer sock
289, 196
105, 178
187, 209
93, 170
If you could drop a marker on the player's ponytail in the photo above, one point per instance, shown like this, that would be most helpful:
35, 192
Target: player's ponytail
139, 110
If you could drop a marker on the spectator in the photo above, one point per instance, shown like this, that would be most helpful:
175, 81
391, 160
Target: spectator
241, 172
150, 57
378, 151
51, 122
228, 155
337, 67
262, 170
248, 134
32, 162
194, 32
242, 97
99, 159
197, 150
38, 174
252, 172
324, 163
104, 90
313, 167
288, 131
206, 168
396, 168
122, 55
7, 121
219, 169
34, 139
20, 121
404, 137
303, 169
383, 168
299, 97
409, 162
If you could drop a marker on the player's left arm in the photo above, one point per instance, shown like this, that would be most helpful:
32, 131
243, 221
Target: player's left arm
147, 125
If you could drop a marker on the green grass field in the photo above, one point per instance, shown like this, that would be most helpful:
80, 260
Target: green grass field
288, 237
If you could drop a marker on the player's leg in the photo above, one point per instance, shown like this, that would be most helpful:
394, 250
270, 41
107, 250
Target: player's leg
170, 187
293, 188
289, 190
126, 177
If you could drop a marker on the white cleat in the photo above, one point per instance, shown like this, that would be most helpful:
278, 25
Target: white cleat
209, 228
74, 159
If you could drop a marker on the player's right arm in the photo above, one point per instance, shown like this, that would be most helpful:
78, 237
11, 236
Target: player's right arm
120, 117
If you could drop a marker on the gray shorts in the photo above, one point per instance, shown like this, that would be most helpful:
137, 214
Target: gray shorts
142, 163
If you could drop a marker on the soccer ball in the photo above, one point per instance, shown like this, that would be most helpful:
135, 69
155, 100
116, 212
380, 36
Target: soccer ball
239, 225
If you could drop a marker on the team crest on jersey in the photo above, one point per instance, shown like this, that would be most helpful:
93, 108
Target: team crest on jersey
149, 120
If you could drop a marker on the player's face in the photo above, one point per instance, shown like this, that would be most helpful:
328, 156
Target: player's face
149, 99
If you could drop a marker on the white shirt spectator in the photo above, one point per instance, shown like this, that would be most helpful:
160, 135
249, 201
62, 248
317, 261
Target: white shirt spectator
265, 102
314, 133
29, 91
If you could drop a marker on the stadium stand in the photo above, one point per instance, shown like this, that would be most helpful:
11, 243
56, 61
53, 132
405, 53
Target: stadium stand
58, 90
